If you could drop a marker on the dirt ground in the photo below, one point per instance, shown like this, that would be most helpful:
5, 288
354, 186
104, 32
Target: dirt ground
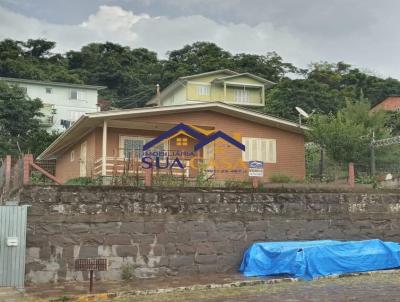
381, 286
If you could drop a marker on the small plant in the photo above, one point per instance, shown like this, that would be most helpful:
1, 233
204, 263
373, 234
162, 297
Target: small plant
280, 178
202, 177
128, 272
82, 181
367, 180
238, 184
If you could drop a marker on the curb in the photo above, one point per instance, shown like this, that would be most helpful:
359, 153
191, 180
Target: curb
90, 297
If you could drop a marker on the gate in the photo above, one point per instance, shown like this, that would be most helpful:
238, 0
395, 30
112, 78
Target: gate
12, 245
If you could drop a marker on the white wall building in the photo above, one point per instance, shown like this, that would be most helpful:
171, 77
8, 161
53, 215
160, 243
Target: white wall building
63, 103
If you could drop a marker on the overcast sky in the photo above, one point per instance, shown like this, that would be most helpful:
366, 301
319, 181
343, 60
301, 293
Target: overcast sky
361, 32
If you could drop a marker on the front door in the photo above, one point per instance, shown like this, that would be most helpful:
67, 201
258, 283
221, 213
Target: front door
83, 172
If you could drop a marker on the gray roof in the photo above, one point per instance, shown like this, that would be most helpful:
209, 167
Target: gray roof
49, 83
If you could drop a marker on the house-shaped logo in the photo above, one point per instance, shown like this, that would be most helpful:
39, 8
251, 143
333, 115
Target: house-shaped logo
202, 139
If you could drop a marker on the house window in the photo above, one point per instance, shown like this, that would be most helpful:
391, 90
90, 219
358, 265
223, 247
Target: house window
181, 141
203, 90
72, 156
133, 146
73, 94
241, 96
261, 149
49, 90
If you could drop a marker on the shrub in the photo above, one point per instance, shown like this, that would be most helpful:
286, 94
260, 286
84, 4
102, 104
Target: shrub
238, 184
280, 178
128, 272
82, 181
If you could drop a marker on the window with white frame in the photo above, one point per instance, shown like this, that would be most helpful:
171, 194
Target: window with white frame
261, 149
203, 90
242, 96
72, 155
73, 94
49, 90
131, 146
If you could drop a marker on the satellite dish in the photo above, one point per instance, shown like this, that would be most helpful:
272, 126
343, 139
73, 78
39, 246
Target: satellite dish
302, 112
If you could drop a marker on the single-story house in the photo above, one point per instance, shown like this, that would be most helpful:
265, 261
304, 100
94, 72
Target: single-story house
214, 137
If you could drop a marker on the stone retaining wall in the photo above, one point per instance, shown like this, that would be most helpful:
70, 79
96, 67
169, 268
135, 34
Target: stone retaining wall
169, 232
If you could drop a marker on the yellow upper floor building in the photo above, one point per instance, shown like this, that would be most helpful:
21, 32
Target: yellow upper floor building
225, 86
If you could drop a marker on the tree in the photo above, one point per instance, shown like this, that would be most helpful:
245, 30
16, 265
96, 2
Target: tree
18, 120
310, 95
347, 134
129, 74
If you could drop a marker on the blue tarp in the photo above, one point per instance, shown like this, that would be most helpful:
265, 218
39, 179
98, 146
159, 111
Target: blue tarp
311, 259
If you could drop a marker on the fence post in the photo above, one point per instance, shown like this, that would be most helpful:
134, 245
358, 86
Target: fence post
351, 175
148, 177
7, 173
28, 160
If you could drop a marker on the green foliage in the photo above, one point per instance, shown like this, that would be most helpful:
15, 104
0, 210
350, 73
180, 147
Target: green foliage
346, 135
128, 272
18, 120
280, 178
325, 88
238, 184
167, 180
83, 181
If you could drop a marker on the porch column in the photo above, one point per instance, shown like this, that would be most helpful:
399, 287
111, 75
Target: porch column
104, 150
225, 92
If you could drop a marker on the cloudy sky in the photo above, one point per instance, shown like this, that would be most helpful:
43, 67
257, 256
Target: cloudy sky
365, 33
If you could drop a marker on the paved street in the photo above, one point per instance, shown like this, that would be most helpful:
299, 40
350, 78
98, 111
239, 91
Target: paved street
377, 287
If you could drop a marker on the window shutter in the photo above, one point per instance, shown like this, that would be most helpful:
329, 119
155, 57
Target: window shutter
273, 151
254, 149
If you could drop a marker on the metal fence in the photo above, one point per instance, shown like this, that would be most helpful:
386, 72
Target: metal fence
12, 245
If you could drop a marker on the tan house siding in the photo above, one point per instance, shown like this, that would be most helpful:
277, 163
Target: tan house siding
67, 169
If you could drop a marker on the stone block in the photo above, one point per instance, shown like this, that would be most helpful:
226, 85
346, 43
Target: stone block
117, 239
154, 227
165, 238
206, 259
185, 249
152, 249
88, 251
179, 261
198, 236
132, 227
230, 226
207, 268
126, 250
191, 198
260, 225
205, 249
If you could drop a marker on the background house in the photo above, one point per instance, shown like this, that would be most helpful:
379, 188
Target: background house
389, 103
63, 103
225, 86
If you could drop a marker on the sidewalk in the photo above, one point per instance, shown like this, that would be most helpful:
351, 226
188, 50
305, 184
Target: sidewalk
153, 285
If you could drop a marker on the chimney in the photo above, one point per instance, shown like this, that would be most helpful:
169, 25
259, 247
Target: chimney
158, 93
